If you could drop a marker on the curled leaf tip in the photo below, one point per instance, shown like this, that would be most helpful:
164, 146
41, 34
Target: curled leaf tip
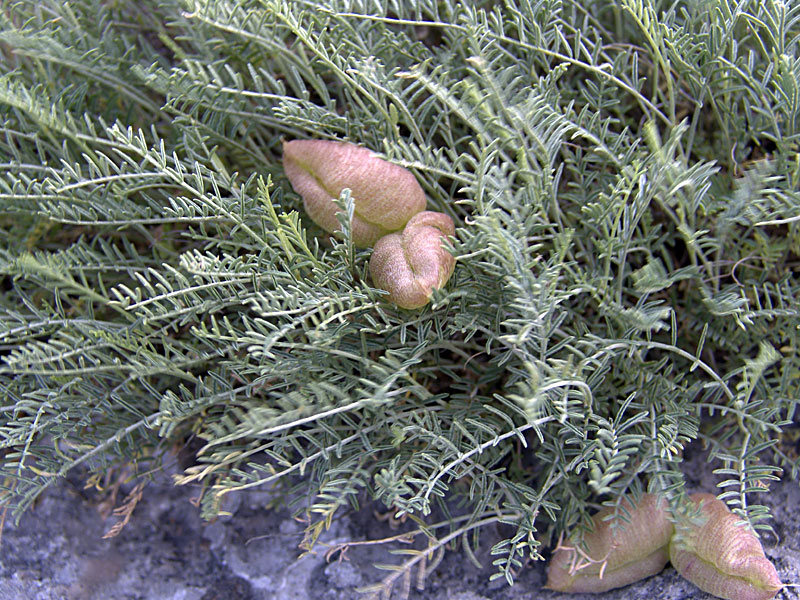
615, 553
717, 552
386, 195
411, 264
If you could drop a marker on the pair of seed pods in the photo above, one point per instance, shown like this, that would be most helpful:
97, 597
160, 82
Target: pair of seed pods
706, 543
409, 259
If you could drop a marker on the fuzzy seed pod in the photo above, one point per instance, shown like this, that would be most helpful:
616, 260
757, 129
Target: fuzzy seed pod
410, 264
614, 556
714, 550
386, 195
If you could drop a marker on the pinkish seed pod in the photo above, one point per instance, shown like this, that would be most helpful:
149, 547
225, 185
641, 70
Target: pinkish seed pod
718, 553
386, 195
409, 265
613, 556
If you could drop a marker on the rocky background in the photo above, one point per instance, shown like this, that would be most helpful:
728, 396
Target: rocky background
166, 552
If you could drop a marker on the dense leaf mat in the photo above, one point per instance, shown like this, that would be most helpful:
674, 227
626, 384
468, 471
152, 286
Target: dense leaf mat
623, 177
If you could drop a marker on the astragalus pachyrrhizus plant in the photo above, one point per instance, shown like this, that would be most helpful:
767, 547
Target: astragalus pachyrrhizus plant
622, 177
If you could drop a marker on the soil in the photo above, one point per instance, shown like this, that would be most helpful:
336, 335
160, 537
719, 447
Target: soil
167, 552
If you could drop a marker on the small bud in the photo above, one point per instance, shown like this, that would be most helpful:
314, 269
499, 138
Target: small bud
634, 547
718, 553
409, 265
386, 195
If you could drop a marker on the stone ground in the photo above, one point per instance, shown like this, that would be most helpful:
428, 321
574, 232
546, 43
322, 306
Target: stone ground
166, 552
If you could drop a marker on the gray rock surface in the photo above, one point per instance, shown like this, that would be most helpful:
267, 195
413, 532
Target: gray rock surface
166, 552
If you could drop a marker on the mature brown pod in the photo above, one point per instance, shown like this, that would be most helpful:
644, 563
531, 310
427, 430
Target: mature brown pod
385, 195
409, 265
615, 553
717, 552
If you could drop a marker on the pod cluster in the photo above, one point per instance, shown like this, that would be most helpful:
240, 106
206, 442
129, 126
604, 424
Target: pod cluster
409, 260
706, 543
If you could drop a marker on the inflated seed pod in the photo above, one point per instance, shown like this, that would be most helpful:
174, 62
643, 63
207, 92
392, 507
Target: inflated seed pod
386, 195
717, 552
410, 264
613, 556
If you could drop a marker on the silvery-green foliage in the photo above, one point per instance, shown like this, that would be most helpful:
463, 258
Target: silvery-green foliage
623, 176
